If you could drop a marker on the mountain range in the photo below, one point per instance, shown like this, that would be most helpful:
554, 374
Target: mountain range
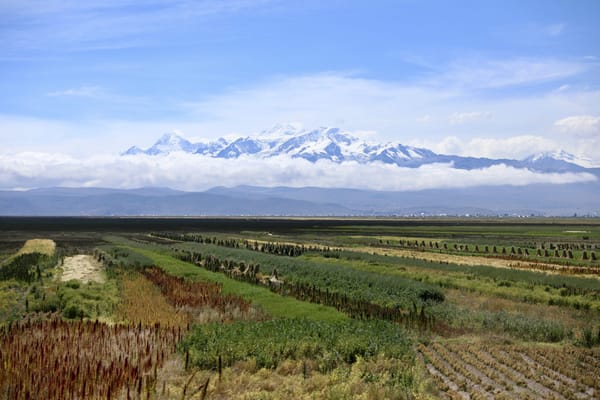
323, 145
531, 200
336, 145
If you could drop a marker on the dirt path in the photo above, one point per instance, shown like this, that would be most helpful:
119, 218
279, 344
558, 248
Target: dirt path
83, 268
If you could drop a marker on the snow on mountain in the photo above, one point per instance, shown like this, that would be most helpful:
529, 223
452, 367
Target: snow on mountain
278, 131
167, 143
240, 147
336, 145
563, 156
133, 150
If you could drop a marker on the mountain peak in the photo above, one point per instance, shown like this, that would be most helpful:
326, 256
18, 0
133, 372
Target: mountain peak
280, 130
337, 145
171, 138
170, 142
561, 156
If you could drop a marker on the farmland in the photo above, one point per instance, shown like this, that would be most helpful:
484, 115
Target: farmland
299, 308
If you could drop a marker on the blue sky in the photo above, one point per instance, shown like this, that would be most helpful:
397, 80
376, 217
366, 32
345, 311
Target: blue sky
485, 78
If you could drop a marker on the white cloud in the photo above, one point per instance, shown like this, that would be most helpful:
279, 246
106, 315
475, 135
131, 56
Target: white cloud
328, 99
83, 91
515, 147
112, 24
580, 125
193, 172
555, 30
583, 136
468, 117
396, 111
489, 74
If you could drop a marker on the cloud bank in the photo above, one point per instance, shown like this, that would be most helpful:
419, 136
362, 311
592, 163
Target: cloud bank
195, 173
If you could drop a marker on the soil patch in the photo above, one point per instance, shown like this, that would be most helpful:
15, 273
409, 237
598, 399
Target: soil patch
83, 268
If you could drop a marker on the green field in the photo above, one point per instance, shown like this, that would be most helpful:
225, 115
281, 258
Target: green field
273, 308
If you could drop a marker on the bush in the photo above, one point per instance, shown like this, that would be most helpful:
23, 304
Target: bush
73, 284
50, 304
73, 311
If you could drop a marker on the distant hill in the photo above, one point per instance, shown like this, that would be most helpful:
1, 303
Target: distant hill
539, 200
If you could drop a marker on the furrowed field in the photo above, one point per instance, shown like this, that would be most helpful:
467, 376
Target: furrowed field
275, 308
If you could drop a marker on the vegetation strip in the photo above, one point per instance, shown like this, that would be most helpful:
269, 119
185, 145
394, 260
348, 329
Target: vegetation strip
272, 303
268, 343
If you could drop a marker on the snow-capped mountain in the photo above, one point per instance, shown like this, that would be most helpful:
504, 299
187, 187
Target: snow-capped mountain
561, 156
336, 145
318, 144
168, 143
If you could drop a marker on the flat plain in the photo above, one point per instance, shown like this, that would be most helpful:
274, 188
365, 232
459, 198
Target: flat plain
269, 308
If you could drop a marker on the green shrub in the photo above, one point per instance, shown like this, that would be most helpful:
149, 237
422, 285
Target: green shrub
49, 304
73, 284
73, 311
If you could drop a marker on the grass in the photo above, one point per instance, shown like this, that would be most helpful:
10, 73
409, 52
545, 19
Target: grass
515, 325
11, 300
90, 300
43, 246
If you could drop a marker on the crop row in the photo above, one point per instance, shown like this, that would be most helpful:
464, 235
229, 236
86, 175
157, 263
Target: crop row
55, 359
319, 291
329, 344
388, 291
193, 295
143, 303
579, 284
575, 284
508, 371
572, 364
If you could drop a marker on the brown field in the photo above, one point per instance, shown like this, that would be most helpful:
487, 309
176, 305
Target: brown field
203, 301
492, 371
143, 303
292, 379
55, 359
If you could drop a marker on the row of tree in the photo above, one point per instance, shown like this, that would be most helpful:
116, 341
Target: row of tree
553, 250
275, 248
